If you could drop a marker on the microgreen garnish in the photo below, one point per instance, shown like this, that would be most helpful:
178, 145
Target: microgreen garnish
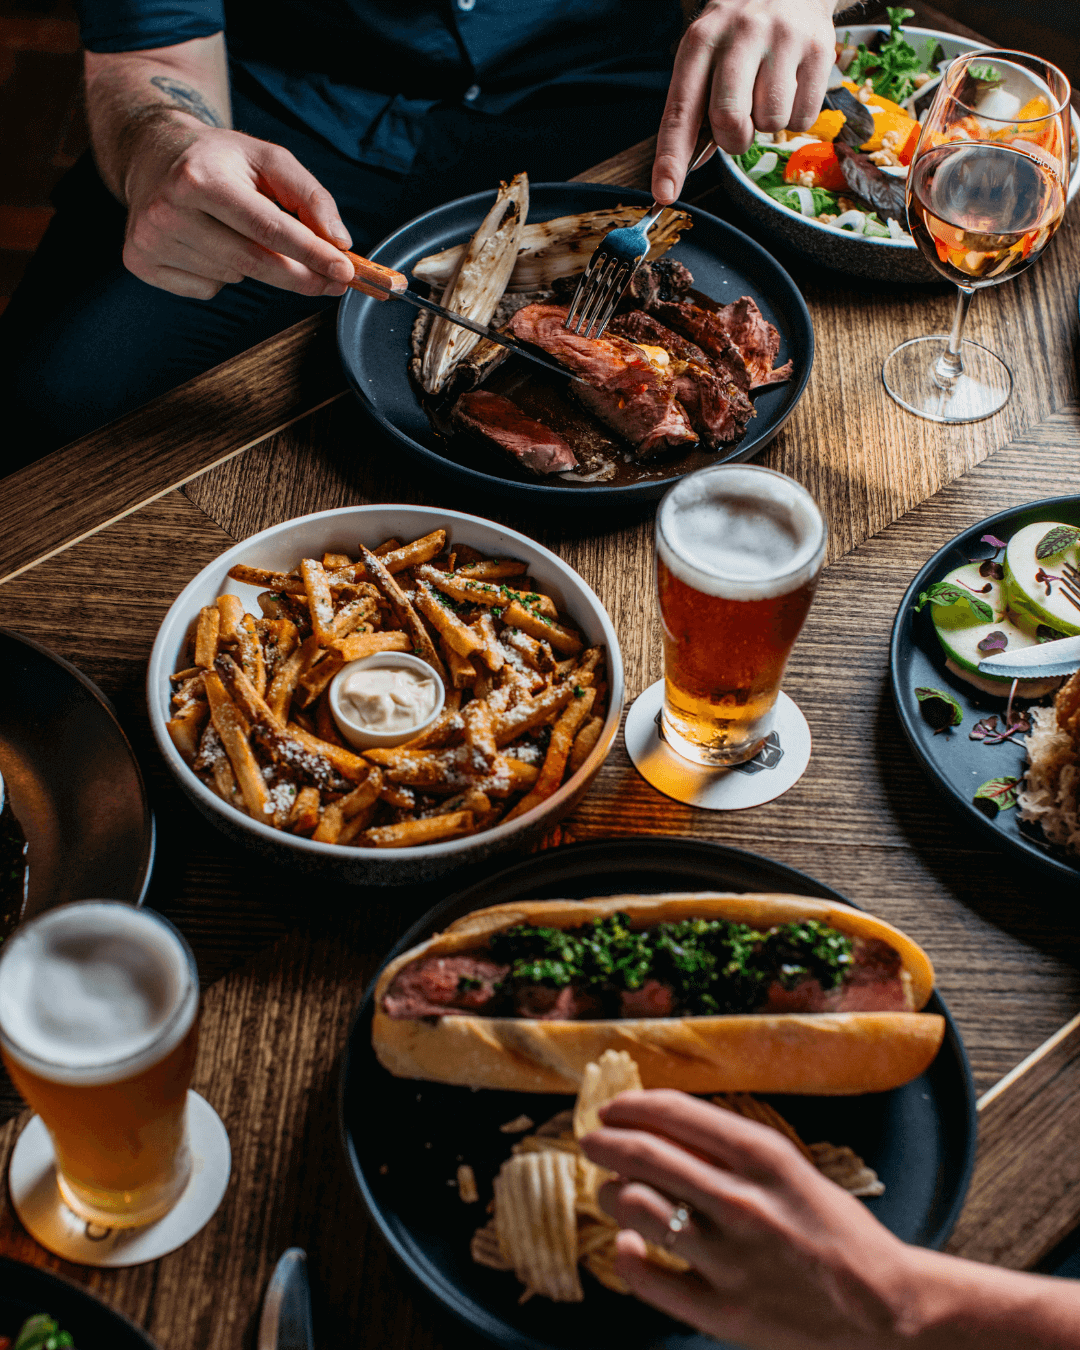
986, 75
993, 541
996, 794
993, 642
1046, 579
991, 569
953, 593
1044, 633
987, 731
1056, 540
940, 709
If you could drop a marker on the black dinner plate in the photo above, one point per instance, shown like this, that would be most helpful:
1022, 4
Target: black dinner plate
27, 1290
958, 764
404, 1139
373, 337
74, 783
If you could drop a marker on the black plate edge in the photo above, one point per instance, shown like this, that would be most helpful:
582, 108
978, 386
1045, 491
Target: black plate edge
535, 493
29, 1275
1042, 856
101, 698
498, 1332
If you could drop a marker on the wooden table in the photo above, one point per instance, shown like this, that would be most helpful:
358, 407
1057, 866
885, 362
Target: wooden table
97, 540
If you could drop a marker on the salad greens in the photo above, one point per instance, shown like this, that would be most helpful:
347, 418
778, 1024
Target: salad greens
42, 1333
892, 70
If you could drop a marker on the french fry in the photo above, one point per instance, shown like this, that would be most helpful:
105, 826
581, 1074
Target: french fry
329, 826
480, 736
315, 680
347, 764
558, 752
332, 561
325, 726
188, 673
509, 776
492, 654
444, 726
532, 713
280, 582
584, 742
185, 729
493, 570
358, 824
243, 692
398, 796
358, 645
419, 551
463, 672
206, 636
429, 830
304, 816
351, 615
231, 610
533, 652
233, 729
367, 794
320, 601
459, 637
548, 630
386, 547
225, 783
191, 691
404, 612
484, 593
251, 653
283, 685
279, 638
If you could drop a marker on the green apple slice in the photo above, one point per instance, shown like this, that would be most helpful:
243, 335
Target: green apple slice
1026, 597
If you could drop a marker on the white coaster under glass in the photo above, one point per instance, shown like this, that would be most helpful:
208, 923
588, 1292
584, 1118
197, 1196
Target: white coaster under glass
39, 1205
776, 767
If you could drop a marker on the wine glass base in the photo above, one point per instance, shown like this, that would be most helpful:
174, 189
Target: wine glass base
982, 390
39, 1205
775, 769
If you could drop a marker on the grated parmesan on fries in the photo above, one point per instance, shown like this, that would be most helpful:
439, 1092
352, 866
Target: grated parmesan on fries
525, 697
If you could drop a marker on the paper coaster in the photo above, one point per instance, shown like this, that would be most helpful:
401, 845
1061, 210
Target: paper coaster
779, 764
38, 1203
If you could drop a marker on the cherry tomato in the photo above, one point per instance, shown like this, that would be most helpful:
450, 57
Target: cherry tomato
907, 150
821, 160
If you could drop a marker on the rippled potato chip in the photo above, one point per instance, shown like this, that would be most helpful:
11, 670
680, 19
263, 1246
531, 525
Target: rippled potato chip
614, 1072
537, 1224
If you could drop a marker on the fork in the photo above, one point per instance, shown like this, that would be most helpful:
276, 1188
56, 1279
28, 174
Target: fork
612, 266
1070, 584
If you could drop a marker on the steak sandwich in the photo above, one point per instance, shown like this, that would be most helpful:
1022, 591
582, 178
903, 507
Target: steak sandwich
708, 993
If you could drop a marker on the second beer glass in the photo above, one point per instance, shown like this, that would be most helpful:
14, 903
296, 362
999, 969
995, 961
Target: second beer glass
738, 554
98, 1005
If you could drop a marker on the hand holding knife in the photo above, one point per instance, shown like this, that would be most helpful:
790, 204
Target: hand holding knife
382, 283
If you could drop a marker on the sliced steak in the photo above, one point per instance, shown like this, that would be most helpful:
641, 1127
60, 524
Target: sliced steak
623, 388
875, 983
444, 985
653, 999
500, 422
664, 279
543, 1003
757, 340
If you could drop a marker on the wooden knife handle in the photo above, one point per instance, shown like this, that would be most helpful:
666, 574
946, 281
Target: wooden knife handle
381, 276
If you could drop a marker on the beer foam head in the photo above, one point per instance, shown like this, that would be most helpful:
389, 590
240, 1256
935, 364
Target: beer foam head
740, 533
95, 992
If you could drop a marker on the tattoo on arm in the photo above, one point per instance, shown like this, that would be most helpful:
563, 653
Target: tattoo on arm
187, 100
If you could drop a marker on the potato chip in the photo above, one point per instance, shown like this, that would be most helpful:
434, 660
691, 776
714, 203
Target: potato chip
466, 1184
602, 1081
600, 1263
744, 1105
517, 1126
844, 1166
536, 1223
485, 1250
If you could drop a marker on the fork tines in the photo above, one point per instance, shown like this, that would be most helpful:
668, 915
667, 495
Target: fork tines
1070, 585
599, 289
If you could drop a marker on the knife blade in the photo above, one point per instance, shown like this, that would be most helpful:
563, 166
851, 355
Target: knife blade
1060, 657
382, 283
285, 1323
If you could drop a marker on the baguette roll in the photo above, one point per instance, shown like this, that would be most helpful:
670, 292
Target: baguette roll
820, 1053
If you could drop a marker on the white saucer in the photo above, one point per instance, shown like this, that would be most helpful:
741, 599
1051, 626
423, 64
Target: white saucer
777, 767
37, 1201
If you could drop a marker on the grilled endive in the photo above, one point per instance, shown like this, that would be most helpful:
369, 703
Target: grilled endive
483, 267
559, 248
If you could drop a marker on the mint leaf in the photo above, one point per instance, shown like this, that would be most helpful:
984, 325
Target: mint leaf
952, 593
996, 794
940, 709
1056, 540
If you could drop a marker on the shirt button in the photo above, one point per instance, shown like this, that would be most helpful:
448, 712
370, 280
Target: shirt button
465, 4
473, 92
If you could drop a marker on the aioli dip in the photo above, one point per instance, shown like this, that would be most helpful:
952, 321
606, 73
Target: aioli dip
387, 698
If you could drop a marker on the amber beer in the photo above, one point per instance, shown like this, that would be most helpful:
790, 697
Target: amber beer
98, 1029
738, 553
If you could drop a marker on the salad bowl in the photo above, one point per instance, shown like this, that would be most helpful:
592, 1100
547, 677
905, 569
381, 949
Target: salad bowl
882, 253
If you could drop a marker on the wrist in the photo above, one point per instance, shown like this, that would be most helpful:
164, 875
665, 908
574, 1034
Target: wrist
153, 139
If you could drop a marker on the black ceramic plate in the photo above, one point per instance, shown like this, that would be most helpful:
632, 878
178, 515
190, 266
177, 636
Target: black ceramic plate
73, 780
27, 1290
373, 335
404, 1139
958, 764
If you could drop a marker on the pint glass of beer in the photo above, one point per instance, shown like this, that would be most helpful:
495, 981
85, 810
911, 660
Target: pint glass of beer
98, 1029
738, 553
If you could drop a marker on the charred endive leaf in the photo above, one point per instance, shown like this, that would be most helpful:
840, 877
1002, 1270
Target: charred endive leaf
940, 709
483, 270
561, 247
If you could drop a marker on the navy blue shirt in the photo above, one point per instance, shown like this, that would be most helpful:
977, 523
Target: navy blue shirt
362, 73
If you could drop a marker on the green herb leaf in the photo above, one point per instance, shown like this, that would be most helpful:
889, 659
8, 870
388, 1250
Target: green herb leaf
940, 709
951, 593
1056, 541
1044, 633
986, 75
996, 794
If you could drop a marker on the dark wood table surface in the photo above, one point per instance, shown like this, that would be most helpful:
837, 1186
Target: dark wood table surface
97, 540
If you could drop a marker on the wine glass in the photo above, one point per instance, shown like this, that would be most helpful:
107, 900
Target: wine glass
985, 193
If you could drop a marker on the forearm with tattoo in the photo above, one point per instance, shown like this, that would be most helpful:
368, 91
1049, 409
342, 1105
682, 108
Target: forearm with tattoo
186, 99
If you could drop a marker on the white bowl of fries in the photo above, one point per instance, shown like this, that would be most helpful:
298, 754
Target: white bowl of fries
239, 676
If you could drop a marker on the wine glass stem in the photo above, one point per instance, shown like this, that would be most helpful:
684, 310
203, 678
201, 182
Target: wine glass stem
950, 364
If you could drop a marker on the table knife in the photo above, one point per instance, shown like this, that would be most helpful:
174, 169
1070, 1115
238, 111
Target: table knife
1060, 657
382, 283
286, 1312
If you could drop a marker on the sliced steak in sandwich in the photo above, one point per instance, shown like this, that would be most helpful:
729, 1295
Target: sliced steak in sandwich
717, 408
499, 422
624, 389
